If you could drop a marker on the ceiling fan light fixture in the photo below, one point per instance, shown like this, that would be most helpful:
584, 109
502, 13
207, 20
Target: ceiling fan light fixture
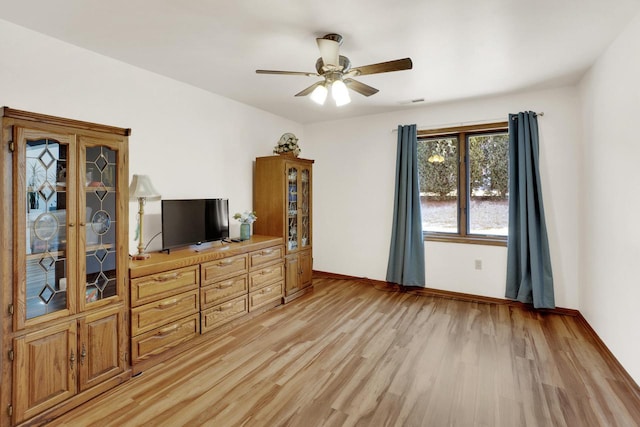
340, 93
336, 73
319, 94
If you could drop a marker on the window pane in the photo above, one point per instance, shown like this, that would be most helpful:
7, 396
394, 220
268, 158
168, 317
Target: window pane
438, 171
489, 183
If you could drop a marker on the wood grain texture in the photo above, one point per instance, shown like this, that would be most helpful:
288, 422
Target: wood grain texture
353, 354
161, 262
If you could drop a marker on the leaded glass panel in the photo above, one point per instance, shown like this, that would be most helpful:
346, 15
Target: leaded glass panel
46, 236
292, 210
101, 265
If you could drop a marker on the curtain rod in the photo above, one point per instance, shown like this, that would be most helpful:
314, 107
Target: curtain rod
475, 122
541, 113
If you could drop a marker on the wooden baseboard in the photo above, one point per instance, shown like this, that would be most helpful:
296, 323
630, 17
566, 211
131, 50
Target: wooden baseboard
611, 360
387, 286
288, 298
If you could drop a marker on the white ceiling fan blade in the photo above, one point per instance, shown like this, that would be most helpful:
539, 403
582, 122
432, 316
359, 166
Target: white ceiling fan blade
361, 88
310, 89
329, 52
291, 73
382, 67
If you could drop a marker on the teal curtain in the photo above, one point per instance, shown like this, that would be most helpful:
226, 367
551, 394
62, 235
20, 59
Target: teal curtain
406, 256
529, 276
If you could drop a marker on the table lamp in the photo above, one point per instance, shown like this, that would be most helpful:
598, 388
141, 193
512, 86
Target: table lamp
142, 190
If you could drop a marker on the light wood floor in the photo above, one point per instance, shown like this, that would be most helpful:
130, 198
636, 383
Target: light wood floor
350, 354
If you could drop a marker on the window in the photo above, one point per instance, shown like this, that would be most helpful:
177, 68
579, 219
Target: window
464, 181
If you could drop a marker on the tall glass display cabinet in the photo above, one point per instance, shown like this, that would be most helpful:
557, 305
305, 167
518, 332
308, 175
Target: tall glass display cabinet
282, 200
64, 263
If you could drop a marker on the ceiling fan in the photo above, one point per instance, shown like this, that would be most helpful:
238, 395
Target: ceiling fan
337, 72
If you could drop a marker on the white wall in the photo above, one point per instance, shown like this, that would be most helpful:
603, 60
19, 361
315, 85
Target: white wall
610, 236
196, 144
190, 142
353, 193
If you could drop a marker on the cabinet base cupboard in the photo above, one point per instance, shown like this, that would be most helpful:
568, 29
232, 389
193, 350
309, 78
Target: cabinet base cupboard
64, 240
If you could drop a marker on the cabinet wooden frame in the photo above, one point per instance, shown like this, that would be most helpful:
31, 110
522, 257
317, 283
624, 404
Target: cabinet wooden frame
25, 392
24, 132
271, 197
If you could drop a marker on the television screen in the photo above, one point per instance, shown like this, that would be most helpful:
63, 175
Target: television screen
194, 221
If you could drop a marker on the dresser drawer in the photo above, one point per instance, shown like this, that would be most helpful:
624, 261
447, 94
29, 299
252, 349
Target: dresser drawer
164, 338
223, 313
158, 313
268, 294
224, 290
266, 275
224, 268
265, 256
152, 287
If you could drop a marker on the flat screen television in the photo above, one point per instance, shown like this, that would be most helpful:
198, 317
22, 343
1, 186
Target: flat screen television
194, 221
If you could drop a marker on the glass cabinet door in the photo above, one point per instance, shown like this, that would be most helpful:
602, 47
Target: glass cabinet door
70, 240
99, 200
45, 201
305, 208
292, 208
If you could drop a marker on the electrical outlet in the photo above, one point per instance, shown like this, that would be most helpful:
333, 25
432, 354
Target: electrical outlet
478, 264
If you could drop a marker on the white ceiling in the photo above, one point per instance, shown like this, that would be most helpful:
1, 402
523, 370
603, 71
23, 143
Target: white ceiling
460, 48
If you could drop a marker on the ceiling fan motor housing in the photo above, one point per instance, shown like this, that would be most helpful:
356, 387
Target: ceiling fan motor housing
333, 36
345, 65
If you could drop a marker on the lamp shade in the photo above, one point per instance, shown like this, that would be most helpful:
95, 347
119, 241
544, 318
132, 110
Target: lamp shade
340, 93
141, 188
319, 94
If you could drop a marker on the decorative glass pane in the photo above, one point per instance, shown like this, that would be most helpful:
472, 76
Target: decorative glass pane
101, 223
438, 174
292, 210
489, 184
304, 207
46, 236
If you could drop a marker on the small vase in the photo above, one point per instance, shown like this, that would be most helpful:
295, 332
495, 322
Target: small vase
245, 231
288, 154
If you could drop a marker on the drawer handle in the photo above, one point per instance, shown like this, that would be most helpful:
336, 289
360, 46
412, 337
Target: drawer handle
225, 263
167, 331
267, 252
167, 304
265, 272
167, 277
266, 291
226, 307
225, 285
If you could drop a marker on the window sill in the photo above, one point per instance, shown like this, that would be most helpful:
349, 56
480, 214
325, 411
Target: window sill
469, 240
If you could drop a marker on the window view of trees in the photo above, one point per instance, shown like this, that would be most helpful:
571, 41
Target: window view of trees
438, 167
464, 183
438, 175
489, 183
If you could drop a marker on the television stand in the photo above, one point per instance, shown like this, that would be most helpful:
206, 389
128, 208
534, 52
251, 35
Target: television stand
184, 298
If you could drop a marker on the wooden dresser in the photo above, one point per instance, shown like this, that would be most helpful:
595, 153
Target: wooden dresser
178, 298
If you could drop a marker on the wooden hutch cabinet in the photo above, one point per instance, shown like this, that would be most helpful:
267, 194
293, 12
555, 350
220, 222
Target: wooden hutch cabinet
282, 202
64, 238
